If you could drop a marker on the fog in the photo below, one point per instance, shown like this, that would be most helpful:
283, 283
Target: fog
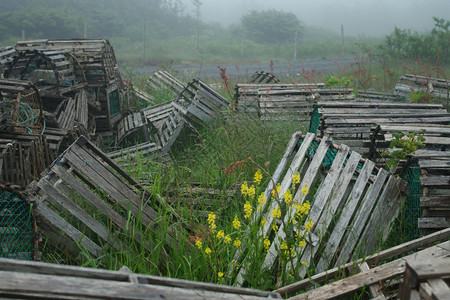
359, 17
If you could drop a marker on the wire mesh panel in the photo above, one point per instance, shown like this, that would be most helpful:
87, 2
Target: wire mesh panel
413, 210
16, 226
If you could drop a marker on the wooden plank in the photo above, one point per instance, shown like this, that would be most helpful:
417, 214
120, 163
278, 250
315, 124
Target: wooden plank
435, 201
68, 229
347, 212
55, 196
361, 217
322, 215
433, 223
380, 220
270, 186
436, 181
375, 275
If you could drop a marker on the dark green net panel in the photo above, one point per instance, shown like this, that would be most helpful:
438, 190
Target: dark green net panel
16, 227
315, 120
413, 210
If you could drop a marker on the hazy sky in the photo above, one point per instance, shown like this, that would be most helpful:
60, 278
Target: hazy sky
359, 17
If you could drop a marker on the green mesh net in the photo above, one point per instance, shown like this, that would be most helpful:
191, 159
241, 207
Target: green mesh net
315, 120
413, 210
114, 104
16, 227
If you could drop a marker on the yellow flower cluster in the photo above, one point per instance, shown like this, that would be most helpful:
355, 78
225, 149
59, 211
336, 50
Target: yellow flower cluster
309, 225
295, 179
236, 223
261, 201
220, 274
303, 209
237, 243
266, 243
276, 191
258, 176
244, 188
227, 239
304, 263
198, 243
276, 213
208, 251
302, 243
288, 197
305, 190
212, 221
248, 210
251, 191
263, 221
220, 234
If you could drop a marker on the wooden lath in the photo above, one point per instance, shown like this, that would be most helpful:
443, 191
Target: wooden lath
412, 83
20, 106
263, 78
352, 123
22, 158
362, 199
199, 101
426, 279
99, 186
378, 277
163, 80
27, 280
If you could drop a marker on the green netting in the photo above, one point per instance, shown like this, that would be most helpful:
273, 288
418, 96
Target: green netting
114, 104
413, 211
16, 227
315, 120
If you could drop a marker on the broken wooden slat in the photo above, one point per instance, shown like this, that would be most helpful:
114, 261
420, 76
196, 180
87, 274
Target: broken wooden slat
375, 275
86, 171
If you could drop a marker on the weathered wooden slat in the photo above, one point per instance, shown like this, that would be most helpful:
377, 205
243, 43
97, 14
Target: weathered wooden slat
68, 229
372, 260
433, 223
347, 212
362, 216
322, 218
373, 276
436, 181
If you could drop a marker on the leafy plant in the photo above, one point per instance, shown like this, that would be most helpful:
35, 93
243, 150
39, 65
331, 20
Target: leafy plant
404, 144
343, 81
421, 96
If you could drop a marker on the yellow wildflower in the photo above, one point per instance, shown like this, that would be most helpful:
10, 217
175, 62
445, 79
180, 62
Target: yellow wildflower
198, 243
251, 191
208, 251
276, 213
266, 243
274, 227
305, 190
295, 179
258, 176
237, 243
302, 243
304, 263
287, 197
220, 274
248, 210
263, 221
227, 239
212, 226
262, 199
284, 245
236, 223
309, 225
220, 234
244, 188
276, 191
211, 218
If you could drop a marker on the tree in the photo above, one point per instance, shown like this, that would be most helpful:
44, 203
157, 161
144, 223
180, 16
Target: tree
271, 26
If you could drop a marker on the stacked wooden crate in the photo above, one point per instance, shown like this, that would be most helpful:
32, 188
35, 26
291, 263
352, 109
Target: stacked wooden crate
353, 123
102, 189
362, 200
409, 83
261, 77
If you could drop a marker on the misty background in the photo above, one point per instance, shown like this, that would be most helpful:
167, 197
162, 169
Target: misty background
166, 32
359, 17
